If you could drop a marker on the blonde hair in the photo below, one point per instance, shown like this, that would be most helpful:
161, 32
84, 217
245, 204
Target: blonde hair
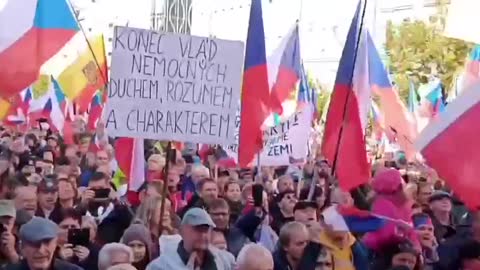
159, 158
148, 209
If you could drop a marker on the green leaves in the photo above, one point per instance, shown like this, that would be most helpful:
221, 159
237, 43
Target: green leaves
417, 49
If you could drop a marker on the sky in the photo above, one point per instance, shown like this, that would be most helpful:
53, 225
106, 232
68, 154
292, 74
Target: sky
323, 24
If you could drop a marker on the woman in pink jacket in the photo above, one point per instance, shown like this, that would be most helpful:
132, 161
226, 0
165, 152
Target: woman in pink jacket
392, 202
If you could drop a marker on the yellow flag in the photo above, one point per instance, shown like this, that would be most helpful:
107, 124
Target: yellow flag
41, 86
119, 178
4, 107
76, 77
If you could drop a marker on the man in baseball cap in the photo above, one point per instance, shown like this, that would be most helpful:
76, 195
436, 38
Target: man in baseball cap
47, 197
440, 204
195, 230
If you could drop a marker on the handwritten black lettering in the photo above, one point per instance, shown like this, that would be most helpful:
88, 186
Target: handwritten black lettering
280, 149
131, 124
159, 121
178, 116
233, 148
135, 88
184, 46
189, 75
203, 123
212, 49
172, 69
118, 38
150, 125
111, 119
132, 40
148, 65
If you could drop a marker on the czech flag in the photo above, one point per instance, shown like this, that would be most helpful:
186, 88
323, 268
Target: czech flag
95, 113
37, 30
130, 157
255, 90
344, 135
287, 72
306, 95
223, 159
44, 113
27, 98
397, 119
351, 219
450, 146
62, 101
52, 112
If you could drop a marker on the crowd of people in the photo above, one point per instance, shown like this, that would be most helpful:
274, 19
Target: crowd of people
61, 208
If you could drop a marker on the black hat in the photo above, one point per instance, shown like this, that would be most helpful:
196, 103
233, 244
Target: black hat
438, 195
302, 205
282, 194
48, 184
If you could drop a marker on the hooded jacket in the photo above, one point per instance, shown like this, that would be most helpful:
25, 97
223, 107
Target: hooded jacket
392, 204
357, 253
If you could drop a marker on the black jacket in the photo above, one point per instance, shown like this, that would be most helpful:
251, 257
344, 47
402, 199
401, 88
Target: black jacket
55, 215
280, 260
91, 263
112, 227
57, 265
236, 239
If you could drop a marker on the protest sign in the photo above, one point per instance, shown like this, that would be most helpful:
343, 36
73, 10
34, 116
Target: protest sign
284, 144
170, 86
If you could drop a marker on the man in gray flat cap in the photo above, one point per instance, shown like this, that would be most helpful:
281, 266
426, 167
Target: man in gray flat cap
38, 243
194, 251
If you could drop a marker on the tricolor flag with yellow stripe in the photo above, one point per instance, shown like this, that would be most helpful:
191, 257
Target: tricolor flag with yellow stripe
87, 74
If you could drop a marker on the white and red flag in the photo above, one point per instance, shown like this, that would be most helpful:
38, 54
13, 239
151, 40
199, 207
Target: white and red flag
451, 146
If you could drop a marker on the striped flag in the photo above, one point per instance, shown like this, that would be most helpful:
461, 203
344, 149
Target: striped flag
398, 120
344, 136
37, 30
285, 66
255, 105
450, 146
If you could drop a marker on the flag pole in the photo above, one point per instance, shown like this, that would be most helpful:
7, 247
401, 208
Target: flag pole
88, 43
259, 171
165, 185
345, 106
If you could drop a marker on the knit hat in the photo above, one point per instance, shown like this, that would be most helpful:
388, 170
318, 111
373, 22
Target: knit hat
420, 220
387, 181
140, 233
